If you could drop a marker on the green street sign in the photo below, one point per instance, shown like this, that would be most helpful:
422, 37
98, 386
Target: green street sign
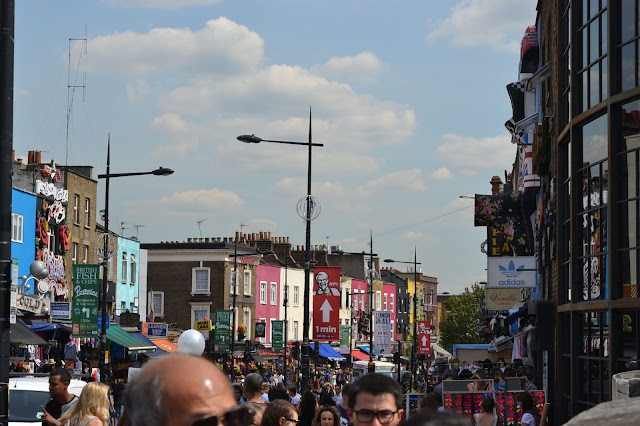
222, 336
86, 296
345, 337
277, 336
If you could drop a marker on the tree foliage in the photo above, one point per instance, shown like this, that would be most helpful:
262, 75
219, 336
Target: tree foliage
462, 315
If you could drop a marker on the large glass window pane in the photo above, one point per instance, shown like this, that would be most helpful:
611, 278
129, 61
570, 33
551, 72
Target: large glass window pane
632, 174
628, 20
594, 41
594, 140
629, 272
603, 33
594, 84
593, 8
585, 47
604, 79
584, 76
632, 224
628, 58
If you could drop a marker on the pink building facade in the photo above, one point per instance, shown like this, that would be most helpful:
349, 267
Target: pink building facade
389, 304
359, 302
268, 299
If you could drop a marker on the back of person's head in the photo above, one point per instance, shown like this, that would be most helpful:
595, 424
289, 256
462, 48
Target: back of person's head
255, 410
253, 383
444, 418
450, 374
63, 374
326, 399
93, 400
278, 392
292, 389
526, 401
487, 404
465, 374
275, 411
375, 384
509, 372
496, 372
430, 402
307, 404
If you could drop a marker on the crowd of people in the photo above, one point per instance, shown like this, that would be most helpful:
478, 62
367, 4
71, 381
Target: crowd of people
179, 389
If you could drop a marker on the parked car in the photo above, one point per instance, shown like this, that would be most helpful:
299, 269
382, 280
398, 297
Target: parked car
28, 394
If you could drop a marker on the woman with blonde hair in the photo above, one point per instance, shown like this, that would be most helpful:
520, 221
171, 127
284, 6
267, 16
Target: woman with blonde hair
92, 408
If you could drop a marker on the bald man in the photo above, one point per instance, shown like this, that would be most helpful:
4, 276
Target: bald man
178, 390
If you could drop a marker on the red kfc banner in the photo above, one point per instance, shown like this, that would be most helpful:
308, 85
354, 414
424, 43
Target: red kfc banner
326, 303
424, 337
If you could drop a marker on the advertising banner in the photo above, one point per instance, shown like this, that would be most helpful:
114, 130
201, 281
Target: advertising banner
512, 272
345, 337
326, 303
86, 291
222, 336
382, 339
501, 299
277, 336
424, 337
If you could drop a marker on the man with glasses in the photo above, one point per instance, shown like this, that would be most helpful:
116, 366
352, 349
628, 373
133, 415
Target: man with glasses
375, 399
180, 390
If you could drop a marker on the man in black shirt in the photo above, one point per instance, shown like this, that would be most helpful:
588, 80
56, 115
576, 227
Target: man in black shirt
61, 399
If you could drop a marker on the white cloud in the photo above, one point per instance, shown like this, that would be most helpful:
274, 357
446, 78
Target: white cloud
498, 24
136, 92
401, 181
416, 236
160, 4
469, 155
205, 199
221, 47
364, 67
442, 174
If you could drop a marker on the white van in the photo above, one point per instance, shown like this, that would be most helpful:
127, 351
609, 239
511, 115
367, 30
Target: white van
386, 368
27, 394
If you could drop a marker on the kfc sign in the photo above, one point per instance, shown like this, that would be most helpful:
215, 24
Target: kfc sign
326, 303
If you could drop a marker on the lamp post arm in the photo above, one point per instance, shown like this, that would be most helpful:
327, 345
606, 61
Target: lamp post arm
293, 143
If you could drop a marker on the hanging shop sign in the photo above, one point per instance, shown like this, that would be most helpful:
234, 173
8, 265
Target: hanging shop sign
501, 299
86, 290
277, 336
326, 303
512, 272
60, 310
382, 340
222, 335
34, 304
261, 329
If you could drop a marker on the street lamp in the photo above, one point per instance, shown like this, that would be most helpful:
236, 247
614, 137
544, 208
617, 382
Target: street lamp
415, 311
108, 252
309, 209
234, 284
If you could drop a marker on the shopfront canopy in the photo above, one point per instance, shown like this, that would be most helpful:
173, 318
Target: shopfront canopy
134, 344
42, 326
165, 345
21, 335
325, 350
359, 355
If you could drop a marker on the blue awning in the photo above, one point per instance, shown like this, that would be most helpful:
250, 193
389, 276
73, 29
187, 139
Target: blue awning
157, 352
365, 349
42, 326
325, 350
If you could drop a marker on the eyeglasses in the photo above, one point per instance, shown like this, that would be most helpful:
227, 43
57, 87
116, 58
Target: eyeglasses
240, 416
366, 416
296, 421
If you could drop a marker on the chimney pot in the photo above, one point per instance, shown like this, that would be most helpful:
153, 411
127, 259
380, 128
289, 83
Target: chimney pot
38, 158
30, 157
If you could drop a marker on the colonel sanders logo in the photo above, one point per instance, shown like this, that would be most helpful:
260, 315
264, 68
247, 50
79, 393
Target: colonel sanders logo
322, 279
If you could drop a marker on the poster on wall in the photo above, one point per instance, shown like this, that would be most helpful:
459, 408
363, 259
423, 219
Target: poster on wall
326, 303
382, 340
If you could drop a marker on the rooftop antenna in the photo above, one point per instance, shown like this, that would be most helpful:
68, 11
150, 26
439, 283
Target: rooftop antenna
241, 234
199, 222
71, 87
122, 227
137, 228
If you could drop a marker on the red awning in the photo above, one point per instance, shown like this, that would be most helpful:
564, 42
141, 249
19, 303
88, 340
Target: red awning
359, 355
165, 345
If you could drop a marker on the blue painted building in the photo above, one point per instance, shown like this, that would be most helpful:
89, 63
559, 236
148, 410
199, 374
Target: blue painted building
23, 231
128, 275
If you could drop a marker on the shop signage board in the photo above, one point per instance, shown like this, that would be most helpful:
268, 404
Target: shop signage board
203, 325
155, 329
326, 303
501, 299
512, 272
424, 337
382, 339
277, 336
34, 304
60, 310
222, 336
345, 337
86, 291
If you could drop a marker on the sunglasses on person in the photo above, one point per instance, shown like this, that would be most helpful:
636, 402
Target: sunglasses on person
239, 416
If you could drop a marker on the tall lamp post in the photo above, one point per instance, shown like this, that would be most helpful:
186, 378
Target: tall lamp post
234, 284
309, 209
415, 312
108, 251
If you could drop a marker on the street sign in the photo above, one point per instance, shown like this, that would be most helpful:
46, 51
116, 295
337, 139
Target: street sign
382, 339
326, 303
424, 337
222, 336
277, 336
203, 325
86, 290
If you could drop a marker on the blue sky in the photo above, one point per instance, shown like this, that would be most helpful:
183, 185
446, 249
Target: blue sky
408, 98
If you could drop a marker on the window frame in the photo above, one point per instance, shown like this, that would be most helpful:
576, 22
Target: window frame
125, 267
198, 307
133, 268
17, 228
85, 254
76, 213
87, 210
296, 295
263, 293
247, 281
194, 281
160, 312
273, 293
